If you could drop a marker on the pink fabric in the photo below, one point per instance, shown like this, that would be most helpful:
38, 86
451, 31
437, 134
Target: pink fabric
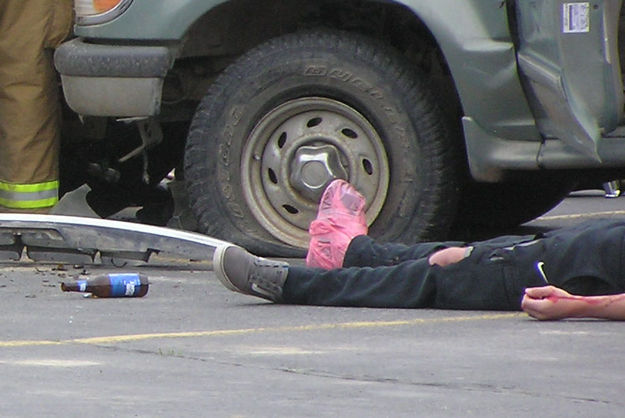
340, 218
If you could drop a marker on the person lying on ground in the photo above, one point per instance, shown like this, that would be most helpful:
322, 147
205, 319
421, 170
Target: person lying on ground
570, 272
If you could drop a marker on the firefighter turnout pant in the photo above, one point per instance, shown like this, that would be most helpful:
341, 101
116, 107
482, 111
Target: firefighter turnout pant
30, 112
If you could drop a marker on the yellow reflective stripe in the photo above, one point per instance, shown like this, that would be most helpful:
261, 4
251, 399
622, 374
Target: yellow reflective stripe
29, 204
29, 196
28, 188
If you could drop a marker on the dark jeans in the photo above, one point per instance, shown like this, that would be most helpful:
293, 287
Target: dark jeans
492, 277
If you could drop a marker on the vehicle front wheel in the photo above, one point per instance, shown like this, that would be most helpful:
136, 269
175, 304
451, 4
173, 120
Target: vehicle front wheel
300, 110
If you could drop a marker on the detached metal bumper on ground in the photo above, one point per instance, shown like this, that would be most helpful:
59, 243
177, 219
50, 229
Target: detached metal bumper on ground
74, 239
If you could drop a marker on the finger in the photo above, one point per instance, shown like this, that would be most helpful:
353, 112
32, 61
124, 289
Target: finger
535, 309
539, 292
532, 312
528, 303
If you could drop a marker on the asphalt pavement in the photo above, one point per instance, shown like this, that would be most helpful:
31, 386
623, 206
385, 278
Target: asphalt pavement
192, 348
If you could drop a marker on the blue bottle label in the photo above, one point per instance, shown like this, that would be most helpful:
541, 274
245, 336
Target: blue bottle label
124, 284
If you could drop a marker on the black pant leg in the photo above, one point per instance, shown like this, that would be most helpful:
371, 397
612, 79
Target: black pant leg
364, 251
483, 281
407, 285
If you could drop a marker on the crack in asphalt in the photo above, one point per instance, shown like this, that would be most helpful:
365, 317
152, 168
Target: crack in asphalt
466, 387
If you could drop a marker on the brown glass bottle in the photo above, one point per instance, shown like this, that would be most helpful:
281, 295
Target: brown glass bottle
112, 285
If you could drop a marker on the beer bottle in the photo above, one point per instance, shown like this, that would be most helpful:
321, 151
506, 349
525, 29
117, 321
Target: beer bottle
112, 285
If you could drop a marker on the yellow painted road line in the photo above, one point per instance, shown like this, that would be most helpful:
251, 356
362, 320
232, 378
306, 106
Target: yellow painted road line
582, 215
246, 331
29, 343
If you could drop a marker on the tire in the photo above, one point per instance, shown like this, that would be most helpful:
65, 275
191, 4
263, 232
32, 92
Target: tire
507, 205
292, 114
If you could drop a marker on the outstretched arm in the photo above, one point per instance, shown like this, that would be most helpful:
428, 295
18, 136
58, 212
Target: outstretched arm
550, 302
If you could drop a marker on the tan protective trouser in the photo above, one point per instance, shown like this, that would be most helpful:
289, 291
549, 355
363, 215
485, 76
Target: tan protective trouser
29, 102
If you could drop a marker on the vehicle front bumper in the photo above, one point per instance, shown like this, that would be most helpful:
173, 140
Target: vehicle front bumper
112, 80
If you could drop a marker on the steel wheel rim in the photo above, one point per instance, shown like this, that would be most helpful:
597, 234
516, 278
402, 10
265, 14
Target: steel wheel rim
292, 153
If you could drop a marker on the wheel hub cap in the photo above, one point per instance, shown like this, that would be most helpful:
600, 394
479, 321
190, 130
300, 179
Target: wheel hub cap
313, 168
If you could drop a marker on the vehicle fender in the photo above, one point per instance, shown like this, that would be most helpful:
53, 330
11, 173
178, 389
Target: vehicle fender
475, 39
151, 20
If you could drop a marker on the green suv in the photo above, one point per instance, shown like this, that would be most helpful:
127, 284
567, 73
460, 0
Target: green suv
444, 114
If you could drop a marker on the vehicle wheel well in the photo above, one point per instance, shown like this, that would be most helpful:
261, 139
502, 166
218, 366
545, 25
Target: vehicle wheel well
231, 29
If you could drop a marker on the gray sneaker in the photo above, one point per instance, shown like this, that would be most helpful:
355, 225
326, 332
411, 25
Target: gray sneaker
245, 273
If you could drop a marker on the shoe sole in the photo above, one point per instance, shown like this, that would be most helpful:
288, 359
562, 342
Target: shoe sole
218, 267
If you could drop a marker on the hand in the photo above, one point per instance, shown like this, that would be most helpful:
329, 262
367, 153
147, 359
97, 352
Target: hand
447, 256
550, 302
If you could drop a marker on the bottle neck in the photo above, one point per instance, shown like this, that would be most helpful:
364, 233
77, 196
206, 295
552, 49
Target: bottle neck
78, 286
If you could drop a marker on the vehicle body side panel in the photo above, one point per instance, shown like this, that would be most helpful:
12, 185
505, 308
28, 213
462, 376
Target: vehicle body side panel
475, 38
569, 55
